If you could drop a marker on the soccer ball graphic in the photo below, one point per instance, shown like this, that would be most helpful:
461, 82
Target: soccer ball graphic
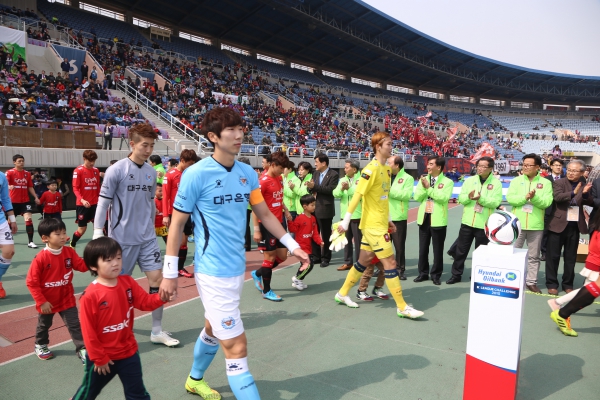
502, 228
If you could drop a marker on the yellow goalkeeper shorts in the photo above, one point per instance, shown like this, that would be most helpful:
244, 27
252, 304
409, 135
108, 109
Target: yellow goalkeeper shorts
377, 242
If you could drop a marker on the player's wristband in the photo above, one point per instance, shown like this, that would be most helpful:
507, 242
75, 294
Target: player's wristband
11, 218
346, 221
98, 233
170, 267
288, 241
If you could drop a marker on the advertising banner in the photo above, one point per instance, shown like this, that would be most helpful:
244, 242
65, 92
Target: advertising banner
76, 58
502, 166
14, 42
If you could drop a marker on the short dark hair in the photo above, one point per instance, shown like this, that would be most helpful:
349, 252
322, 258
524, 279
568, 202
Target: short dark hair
51, 182
173, 162
558, 160
267, 157
113, 162
155, 159
158, 184
439, 161
489, 160
90, 155
399, 162
140, 132
307, 199
279, 158
188, 155
104, 248
49, 225
306, 165
17, 156
537, 160
322, 157
219, 118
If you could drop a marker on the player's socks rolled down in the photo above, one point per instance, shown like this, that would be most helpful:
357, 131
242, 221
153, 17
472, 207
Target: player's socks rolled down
29, 229
584, 298
204, 352
156, 315
76, 237
353, 276
240, 380
393, 284
183, 250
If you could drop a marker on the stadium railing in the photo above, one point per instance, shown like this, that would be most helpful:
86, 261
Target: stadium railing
48, 135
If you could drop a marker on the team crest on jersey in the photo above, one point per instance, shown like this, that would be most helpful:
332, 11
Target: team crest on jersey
131, 177
148, 177
400, 180
243, 181
129, 296
386, 237
228, 322
365, 176
218, 184
68, 263
441, 186
539, 186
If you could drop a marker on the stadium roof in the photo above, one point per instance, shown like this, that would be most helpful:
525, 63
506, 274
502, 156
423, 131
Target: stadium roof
352, 38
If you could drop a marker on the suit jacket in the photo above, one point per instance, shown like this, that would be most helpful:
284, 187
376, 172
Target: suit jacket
595, 201
562, 201
325, 206
550, 209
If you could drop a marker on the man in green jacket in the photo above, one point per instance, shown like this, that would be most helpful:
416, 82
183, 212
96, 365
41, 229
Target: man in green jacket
480, 195
290, 180
344, 191
433, 192
530, 195
400, 193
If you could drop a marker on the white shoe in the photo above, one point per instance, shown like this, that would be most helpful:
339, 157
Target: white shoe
298, 284
409, 312
345, 300
32, 245
164, 338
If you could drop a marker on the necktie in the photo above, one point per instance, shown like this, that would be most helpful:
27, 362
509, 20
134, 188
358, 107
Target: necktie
432, 182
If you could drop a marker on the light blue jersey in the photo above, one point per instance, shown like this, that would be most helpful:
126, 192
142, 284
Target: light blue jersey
217, 197
5, 203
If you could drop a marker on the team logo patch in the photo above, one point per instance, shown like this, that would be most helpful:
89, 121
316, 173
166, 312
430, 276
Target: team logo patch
131, 177
103, 305
272, 242
490, 186
400, 180
243, 181
80, 217
148, 177
68, 263
218, 184
129, 296
228, 323
365, 176
540, 186
441, 186
386, 237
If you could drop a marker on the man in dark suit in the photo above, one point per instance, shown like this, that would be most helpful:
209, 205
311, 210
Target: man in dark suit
568, 221
556, 173
323, 183
84, 71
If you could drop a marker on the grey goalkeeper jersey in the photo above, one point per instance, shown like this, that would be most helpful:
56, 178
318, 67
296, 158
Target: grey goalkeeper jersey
130, 188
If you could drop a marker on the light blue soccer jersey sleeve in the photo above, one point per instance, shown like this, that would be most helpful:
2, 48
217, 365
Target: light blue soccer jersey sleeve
5, 202
217, 198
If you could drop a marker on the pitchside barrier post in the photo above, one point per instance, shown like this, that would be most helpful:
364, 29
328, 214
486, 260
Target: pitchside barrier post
495, 323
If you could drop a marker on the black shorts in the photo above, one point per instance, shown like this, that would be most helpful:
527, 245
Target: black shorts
268, 242
22, 208
57, 216
188, 228
85, 215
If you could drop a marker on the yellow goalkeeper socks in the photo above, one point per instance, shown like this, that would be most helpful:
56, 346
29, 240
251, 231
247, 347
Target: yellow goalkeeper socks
353, 276
393, 283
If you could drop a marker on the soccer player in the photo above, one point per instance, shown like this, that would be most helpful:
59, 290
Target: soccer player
86, 186
7, 230
271, 187
216, 191
373, 188
128, 188
52, 201
20, 186
171, 181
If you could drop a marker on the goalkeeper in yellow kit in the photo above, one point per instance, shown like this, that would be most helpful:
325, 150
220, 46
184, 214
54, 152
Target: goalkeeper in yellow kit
373, 188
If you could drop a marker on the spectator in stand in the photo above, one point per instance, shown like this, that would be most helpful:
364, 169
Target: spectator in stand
65, 67
108, 135
453, 175
84, 71
557, 152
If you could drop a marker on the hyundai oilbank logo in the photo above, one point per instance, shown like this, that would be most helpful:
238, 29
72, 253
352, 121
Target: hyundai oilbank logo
511, 276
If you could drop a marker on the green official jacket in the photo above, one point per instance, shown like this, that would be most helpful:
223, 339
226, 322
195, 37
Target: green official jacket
400, 193
300, 190
518, 189
491, 197
159, 168
345, 196
440, 193
289, 197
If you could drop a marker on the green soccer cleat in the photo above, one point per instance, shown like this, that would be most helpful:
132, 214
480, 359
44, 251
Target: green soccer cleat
563, 324
202, 389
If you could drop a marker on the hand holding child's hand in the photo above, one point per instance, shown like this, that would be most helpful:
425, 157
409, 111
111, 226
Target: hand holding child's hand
46, 308
103, 369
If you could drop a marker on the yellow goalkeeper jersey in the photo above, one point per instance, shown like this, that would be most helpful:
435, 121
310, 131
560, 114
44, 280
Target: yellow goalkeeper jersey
374, 186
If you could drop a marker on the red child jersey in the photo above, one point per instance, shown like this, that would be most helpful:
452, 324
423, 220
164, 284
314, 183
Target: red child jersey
52, 202
272, 191
158, 220
306, 231
170, 188
49, 278
106, 315
21, 180
86, 184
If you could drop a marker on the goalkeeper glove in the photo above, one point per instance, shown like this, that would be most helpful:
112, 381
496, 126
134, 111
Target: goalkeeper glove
338, 240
